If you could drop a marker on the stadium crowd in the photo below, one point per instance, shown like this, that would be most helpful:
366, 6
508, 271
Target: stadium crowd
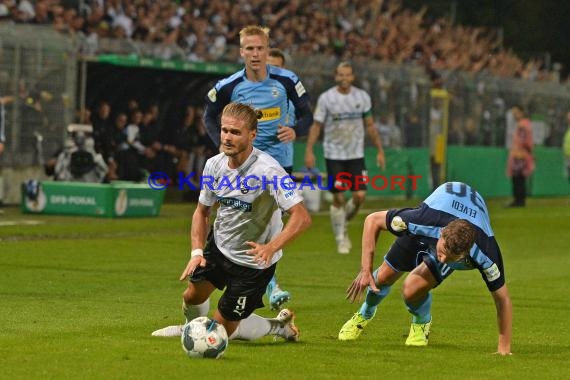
203, 30
131, 144
207, 30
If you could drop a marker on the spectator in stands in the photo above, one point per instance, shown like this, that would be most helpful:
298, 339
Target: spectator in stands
4, 100
193, 141
102, 129
520, 164
150, 137
135, 152
125, 149
413, 131
79, 162
566, 145
206, 30
390, 132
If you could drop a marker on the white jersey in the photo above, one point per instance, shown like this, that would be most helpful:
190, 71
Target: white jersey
251, 200
342, 116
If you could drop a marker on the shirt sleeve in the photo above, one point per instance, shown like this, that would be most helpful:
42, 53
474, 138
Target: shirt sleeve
216, 99
398, 220
367, 106
320, 114
285, 192
300, 98
207, 196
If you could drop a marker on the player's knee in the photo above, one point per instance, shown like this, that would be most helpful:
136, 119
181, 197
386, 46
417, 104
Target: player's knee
359, 198
411, 293
192, 296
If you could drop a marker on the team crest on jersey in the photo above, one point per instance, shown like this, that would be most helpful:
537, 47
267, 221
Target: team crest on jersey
244, 189
274, 92
212, 95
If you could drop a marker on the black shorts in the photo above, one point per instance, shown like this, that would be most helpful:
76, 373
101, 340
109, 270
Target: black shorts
346, 175
406, 253
244, 287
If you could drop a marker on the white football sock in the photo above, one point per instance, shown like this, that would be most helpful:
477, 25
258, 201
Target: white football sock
338, 220
350, 209
255, 327
195, 311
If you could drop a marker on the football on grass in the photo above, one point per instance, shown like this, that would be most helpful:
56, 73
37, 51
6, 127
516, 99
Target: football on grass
203, 337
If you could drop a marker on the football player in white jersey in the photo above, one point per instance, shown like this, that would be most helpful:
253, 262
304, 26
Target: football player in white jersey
283, 101
343, 112
240, 253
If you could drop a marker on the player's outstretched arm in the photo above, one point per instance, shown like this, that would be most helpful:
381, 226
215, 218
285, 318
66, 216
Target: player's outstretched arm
314, 133
373, 224
198, 234
377, 140
504, 319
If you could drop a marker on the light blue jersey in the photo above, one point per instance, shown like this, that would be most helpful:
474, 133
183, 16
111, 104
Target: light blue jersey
450, 201
274, 97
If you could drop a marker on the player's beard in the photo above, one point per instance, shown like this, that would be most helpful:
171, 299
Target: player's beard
233, 150
344, 85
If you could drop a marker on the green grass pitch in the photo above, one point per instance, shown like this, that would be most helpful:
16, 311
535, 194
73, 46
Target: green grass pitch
79, 298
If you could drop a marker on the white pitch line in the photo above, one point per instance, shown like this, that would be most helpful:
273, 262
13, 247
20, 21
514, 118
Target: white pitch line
20, 222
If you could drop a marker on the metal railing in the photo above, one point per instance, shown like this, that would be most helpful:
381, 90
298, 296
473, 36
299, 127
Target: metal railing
38, 69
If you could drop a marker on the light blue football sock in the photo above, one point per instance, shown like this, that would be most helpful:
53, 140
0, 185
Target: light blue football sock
421, 312
372, 300
271, 285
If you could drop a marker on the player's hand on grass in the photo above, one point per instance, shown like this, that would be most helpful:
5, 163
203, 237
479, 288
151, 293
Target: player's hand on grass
261, 253
192, 265
363, 280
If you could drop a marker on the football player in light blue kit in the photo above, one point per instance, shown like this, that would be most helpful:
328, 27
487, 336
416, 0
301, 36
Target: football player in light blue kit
271, 91
448, 231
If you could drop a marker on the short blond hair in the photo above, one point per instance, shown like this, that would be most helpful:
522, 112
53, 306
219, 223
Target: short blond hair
243, 112
344, 64
254, 30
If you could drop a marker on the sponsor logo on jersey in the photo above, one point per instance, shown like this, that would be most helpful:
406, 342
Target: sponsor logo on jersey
300, 89
346, 116
212, 95
287, 188
492, 273
236, 204
270, 114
